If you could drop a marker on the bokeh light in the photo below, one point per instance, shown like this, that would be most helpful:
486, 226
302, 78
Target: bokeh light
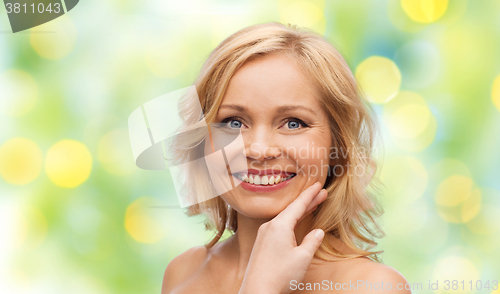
400, 19
495, 92
424, 11
68, 163
487, 221
19, 92
457, 197
33, 227
379, 78
20, 161
54, 39
305, 14
472, 205
139, 223
11, 237
455, 268
410, 121
454, 190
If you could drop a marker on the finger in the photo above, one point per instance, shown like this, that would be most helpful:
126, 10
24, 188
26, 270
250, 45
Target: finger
311, 242
295, 210
322, 195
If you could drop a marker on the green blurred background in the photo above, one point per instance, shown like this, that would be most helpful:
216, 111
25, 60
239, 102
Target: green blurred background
77, 215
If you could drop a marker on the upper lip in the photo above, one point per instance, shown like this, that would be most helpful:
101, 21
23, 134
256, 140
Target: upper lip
264, 172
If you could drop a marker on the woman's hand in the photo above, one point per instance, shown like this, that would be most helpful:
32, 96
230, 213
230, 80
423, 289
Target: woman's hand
276, 259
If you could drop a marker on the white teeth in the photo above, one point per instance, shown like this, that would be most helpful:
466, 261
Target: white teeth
264, 180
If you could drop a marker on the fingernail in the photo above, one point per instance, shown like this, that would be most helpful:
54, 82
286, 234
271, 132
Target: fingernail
321, 191
319, 234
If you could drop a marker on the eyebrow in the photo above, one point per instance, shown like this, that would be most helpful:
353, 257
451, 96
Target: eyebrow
280, 109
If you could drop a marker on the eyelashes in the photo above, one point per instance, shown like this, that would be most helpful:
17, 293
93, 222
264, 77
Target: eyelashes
298, 120
235, 122
230, 122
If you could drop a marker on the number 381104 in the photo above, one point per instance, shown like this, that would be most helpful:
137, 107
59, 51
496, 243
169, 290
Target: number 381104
40, 8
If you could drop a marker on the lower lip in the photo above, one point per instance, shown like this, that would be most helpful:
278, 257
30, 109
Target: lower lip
263, 188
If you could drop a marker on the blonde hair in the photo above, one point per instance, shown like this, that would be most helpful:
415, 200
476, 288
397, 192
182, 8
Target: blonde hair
349, 213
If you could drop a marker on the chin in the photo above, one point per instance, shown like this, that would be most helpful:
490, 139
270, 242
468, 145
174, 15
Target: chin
261, 210
259, 214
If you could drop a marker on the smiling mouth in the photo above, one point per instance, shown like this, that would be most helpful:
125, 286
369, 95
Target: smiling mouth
264, 180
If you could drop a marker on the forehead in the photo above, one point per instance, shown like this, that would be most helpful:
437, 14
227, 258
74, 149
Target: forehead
273, 79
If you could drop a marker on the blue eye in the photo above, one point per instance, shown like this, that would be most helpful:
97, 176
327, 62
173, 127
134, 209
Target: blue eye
235, 124
232, 123
293, 124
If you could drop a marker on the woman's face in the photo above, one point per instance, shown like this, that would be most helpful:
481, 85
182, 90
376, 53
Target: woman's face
285, 131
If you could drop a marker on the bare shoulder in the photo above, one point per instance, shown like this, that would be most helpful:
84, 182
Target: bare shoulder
374, 277
182, 267
357, 275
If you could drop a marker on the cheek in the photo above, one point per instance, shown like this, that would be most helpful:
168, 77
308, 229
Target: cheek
311, 153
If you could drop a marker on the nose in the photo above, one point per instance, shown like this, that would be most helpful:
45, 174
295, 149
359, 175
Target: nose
260, 144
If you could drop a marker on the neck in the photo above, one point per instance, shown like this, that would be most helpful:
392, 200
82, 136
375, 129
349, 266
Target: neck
241, 243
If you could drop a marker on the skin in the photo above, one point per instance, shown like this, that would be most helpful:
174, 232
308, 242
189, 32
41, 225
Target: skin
272, 245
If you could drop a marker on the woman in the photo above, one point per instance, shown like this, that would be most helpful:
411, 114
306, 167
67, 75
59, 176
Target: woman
302, 219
